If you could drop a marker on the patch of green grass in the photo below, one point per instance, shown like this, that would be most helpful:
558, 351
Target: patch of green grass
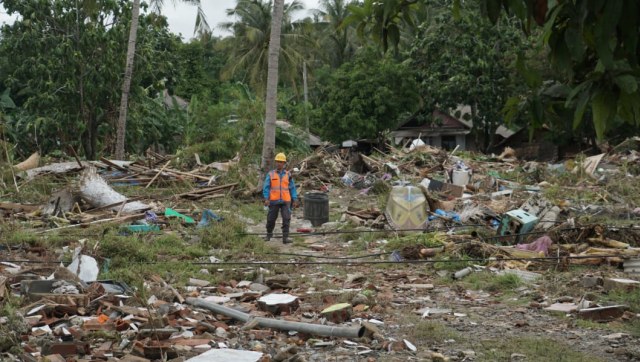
359, 244
298, 241
427, 332
633, 328
131, 257
490, 282
14, 234
231, 235
427, 240
630, 298
536, 349
345, 237
622, 188
335, 214
456, 263
252, 210
589, 324
505, 282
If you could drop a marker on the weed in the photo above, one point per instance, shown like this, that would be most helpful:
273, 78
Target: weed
455, 264
504, 282
633, 328
230, 235
428, 331
427, 240
489, 282
14, 327
536, 349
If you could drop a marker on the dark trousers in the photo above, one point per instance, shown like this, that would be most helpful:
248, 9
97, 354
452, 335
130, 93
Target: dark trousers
272, 216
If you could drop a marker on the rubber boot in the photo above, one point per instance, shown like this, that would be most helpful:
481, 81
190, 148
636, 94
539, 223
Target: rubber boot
285, 238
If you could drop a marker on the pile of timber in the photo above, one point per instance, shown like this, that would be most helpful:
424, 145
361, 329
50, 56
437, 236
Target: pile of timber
207, 193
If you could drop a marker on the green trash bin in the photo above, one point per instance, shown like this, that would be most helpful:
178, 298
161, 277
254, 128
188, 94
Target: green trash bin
316, 208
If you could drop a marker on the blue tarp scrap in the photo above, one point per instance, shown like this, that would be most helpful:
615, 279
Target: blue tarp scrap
207, 217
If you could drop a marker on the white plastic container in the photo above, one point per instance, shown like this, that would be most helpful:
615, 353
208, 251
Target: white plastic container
460, 177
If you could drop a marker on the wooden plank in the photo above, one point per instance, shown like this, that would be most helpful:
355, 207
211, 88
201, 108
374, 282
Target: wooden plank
18, 207
207, 190
111, 164
158, 174
106, 207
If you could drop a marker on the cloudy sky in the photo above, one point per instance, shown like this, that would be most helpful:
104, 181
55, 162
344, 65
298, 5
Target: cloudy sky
182, 17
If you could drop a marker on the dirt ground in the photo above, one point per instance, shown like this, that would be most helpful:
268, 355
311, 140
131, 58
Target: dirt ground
474, 318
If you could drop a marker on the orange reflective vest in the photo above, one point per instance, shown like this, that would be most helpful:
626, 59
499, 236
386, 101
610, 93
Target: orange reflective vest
279, 188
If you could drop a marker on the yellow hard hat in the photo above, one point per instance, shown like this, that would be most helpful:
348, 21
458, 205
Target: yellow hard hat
281, 157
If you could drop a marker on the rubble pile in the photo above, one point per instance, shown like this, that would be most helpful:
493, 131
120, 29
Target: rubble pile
412, 240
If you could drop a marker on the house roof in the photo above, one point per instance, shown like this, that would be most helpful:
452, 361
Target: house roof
313, 139
169, 100
447, 122
505, 132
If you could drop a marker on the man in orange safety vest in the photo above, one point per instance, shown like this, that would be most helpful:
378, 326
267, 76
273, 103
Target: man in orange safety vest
280, 194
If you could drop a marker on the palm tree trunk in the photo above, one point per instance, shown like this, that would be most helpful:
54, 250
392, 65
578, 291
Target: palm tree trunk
126, 85
271, 103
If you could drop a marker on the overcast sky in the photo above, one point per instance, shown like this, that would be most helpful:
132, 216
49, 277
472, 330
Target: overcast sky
182, 17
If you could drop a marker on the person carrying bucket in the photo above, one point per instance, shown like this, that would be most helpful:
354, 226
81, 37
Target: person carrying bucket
280, 195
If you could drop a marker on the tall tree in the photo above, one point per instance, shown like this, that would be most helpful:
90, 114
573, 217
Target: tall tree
366, 96
467, 61
64, 58
596, 44
334, 13
126, 84
248, 56
269, 142
201, 24
382, 20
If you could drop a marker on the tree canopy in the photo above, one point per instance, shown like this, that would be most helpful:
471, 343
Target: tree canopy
66, 62
366, 96
465, 61
594, 44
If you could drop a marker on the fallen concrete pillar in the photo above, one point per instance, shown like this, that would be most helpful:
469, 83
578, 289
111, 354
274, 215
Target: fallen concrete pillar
313, 329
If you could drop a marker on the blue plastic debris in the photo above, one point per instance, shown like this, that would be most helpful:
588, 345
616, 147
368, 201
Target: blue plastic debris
150, 217
207, 217
395, 256
451, 215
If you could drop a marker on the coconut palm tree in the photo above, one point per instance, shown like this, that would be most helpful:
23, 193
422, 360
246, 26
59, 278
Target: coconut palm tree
332, 14
269, 142
249, 45
382, 20
200, 26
